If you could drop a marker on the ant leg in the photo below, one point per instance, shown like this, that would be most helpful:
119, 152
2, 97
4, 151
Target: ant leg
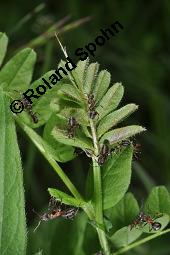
52, 203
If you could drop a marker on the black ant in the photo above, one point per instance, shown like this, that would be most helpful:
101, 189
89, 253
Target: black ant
92, 105
143, 218
57, 210
72, 125
104, 153
28, 107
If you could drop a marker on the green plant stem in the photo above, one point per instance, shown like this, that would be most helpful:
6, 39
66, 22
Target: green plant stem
144, 240
98, 200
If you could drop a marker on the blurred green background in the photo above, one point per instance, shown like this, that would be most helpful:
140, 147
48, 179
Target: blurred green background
139, 57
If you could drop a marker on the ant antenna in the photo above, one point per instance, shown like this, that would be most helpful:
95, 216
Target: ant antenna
39, 221
37, 226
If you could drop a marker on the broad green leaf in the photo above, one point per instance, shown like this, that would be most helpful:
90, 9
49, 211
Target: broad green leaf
60, 151
163, 220
3, 46
120, 134
90, 77
17, 73
158, 201
77, 141
125, 236
124, 212
116, 177
102, 84
12, 213
114, 118
66, 199
110, 100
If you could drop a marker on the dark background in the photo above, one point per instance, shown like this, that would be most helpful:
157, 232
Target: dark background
139, 57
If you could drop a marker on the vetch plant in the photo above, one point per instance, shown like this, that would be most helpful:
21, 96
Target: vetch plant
83, 112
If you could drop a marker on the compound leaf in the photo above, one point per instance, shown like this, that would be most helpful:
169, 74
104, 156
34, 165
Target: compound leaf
116, 177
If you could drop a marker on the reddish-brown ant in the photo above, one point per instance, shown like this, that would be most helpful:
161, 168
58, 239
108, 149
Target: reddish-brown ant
56, 210
143, 219
125, 143
28, 107
92, 105
72, 125
104, 153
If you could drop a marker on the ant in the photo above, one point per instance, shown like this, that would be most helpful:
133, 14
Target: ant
104, 153
143, 218
72, 125
28, 107
136, 147
91, 105
57, 210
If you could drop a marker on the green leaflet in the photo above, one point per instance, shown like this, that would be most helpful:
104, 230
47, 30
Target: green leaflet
64, 198
114, 118
119, 134
69, 92
80, 71
12, 213
125, 236
17, 73
3, 46
60, 151
158, 201
90, 77
124, 212
78, 141
102, 85
116, 177
110, 100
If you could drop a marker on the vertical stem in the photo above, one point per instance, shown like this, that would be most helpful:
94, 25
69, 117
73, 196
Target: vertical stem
98, 200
